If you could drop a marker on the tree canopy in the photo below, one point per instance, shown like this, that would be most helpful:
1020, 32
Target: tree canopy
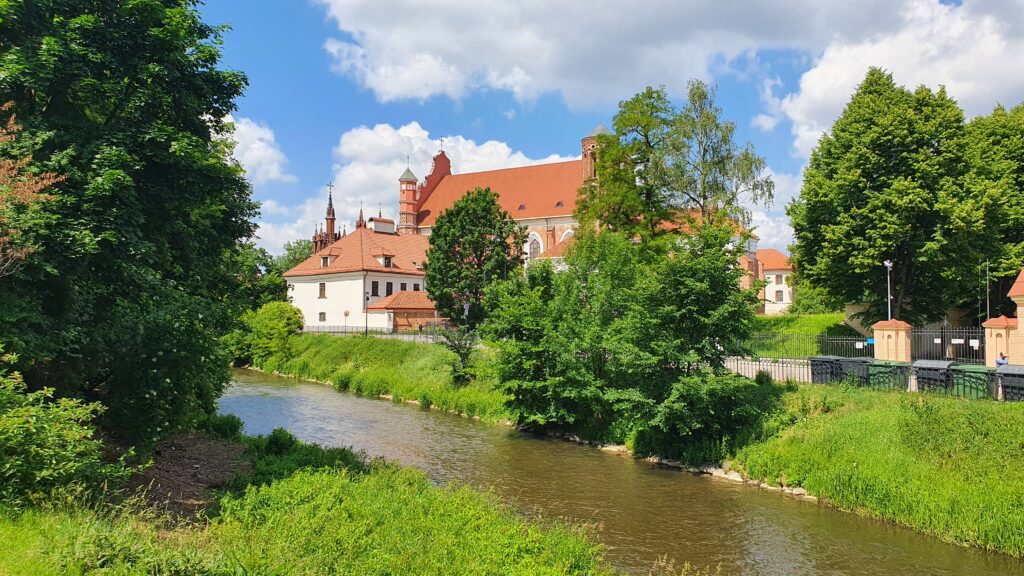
133, 278
472, 244
894, 181
668, 165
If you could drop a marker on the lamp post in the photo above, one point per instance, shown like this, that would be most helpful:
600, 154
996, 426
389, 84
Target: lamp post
366, 316
888, 285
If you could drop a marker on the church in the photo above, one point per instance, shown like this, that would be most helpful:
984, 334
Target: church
372, 278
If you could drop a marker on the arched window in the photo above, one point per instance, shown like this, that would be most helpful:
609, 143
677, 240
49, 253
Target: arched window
534, 251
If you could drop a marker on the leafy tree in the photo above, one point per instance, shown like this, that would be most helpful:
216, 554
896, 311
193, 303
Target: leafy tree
666, 166
294, 252
20, 192
122, 300
810, 299
888, 183
995, 154
260, 281
472, 245
266, 333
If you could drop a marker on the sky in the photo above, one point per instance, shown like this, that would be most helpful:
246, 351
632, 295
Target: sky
350, 91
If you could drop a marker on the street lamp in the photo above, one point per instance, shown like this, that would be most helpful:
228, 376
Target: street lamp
888, 285
366, 316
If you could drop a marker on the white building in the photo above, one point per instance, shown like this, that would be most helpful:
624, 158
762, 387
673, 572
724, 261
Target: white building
777, 272
339, 286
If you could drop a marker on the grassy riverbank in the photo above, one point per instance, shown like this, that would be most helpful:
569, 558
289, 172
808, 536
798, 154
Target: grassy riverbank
301, 509
944, 466
403, 370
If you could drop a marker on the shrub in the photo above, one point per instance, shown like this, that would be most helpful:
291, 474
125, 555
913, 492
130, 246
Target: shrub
47, 445
266, 334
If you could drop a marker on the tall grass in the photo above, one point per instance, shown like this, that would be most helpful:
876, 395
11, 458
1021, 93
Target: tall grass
306, 510
828, 324
403, 370
945, 466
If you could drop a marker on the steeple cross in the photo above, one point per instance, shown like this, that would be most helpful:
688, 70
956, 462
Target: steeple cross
330, 188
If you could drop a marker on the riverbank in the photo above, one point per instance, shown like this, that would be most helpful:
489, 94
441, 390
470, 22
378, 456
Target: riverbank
293, 508
398, 370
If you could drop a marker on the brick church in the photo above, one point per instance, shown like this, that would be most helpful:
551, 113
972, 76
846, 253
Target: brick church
372, 278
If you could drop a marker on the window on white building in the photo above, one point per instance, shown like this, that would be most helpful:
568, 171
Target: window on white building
323, 290
325, 261
375, 288
388, 289
779, 296
403, 287
323, 317
778, 279
415, 287
387, 261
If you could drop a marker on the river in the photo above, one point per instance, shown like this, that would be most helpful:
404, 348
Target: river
638, 511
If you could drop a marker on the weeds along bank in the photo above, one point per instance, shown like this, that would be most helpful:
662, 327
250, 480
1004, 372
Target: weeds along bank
403, 370
948, 467
303, 510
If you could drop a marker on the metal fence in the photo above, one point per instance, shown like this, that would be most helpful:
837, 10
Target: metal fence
430, 335
963, 345
780, 369
798, 346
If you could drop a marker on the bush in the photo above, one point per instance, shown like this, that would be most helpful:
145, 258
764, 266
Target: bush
47, 446
265, 334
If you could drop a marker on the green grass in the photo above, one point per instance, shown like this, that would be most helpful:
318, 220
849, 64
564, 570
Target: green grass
797, 336
945, 466
403, 370
305, 510
830, 324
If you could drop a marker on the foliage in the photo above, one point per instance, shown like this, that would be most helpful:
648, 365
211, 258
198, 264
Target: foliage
891, 182
462, 341
665, 166
266, 334
939, 465
123, 299
601, 346
472, 245
305, 509
406, 371
259, 281
294, 253
47, 446
20, 192
810, 299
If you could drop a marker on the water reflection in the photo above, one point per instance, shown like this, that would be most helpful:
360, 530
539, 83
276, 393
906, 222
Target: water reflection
639, 512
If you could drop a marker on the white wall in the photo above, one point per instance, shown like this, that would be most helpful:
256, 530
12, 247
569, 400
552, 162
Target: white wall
771, 304
344, 292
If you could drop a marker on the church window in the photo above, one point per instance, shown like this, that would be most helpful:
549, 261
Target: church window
403, 287
534, 248
324, 261
323, 290
375, 288
779, 296
388, 288
323, 317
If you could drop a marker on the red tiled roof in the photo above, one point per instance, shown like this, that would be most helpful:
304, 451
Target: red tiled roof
543, 190
1000, 322
1018, 287
355, 253
891, 325
404, 300
772, 259
558, 250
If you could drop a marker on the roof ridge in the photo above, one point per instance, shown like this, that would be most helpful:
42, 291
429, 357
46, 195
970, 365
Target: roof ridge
510, 168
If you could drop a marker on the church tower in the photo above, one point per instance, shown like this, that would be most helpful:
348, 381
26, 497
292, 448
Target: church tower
330, 215
407, 203
589, 149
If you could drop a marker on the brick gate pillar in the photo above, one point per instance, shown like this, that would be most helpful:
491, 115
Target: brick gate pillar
892, 340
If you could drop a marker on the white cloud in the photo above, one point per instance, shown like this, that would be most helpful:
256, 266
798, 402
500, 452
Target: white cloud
368, 164
593, 53
972, 49
772, 104
770, 223
257, 151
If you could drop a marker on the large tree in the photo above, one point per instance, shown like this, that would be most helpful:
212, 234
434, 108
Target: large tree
472, 245
887, 183
666, 166
124, 298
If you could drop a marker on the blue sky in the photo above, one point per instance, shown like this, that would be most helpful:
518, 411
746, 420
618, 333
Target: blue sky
345, 90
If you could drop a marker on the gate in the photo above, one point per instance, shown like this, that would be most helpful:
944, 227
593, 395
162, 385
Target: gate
962, 345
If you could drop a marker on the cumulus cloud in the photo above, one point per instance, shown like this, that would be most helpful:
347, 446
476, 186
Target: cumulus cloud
971, 49
257, 151
770, 223
591, 53
368, 162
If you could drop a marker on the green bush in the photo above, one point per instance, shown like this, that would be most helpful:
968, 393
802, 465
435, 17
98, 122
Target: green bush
47, 446
266, 334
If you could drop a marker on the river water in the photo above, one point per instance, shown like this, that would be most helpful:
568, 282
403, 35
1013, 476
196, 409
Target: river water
640, 512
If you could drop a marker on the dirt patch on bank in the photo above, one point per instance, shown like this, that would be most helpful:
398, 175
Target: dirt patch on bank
186, 472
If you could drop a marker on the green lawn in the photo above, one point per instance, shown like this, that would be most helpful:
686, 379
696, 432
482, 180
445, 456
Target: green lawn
799, 336
304, 511
946, 466
404, 370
